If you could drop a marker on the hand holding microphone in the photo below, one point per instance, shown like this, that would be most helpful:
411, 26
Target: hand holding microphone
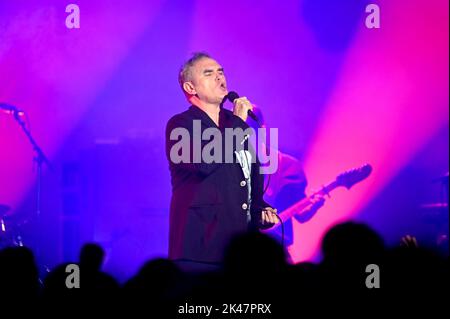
242, 106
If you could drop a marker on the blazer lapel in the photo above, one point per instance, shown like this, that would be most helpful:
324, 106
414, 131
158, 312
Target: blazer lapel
199, 114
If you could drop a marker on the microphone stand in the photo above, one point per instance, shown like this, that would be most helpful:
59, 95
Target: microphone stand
39, 158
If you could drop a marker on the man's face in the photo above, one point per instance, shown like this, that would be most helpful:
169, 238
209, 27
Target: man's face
208, 81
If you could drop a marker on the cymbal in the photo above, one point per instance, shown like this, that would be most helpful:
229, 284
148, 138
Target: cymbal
4, 209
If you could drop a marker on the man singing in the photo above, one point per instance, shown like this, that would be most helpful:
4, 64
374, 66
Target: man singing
212, 201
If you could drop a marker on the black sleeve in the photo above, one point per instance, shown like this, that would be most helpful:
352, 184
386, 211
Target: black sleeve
202, 168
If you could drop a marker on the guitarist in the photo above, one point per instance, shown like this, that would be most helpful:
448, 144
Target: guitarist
286, 187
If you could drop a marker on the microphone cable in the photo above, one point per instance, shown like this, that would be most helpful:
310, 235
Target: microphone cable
282, 230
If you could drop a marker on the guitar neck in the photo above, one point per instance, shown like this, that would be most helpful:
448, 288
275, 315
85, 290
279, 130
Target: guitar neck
305, 202
346, 179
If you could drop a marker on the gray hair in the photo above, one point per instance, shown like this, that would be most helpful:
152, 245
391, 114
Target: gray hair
185, 71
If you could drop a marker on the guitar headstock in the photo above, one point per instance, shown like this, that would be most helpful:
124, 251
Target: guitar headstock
354, 176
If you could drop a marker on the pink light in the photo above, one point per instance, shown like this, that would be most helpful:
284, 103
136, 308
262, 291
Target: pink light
391, 99
54, 74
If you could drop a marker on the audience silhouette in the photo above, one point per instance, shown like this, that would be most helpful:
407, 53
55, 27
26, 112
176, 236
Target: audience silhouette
255, 270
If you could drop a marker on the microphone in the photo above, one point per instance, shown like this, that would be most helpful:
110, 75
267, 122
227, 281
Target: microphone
233, 96
11, 109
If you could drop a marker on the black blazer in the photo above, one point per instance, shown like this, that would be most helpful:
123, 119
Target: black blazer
208, 199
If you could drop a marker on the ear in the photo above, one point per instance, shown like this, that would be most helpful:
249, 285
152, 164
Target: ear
189, 88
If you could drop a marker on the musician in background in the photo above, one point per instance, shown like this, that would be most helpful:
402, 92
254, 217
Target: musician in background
286, 186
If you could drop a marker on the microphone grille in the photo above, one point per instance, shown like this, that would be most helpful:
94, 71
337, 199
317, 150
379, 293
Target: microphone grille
232, 96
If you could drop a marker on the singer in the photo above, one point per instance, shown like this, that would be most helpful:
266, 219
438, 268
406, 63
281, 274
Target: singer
212, 201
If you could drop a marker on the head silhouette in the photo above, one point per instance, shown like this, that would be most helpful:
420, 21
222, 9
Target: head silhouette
91, 257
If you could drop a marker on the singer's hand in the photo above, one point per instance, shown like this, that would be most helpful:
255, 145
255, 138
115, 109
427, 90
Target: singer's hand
241, 107
269, 218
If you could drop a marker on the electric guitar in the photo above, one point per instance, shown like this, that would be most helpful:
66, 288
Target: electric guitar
346, 179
